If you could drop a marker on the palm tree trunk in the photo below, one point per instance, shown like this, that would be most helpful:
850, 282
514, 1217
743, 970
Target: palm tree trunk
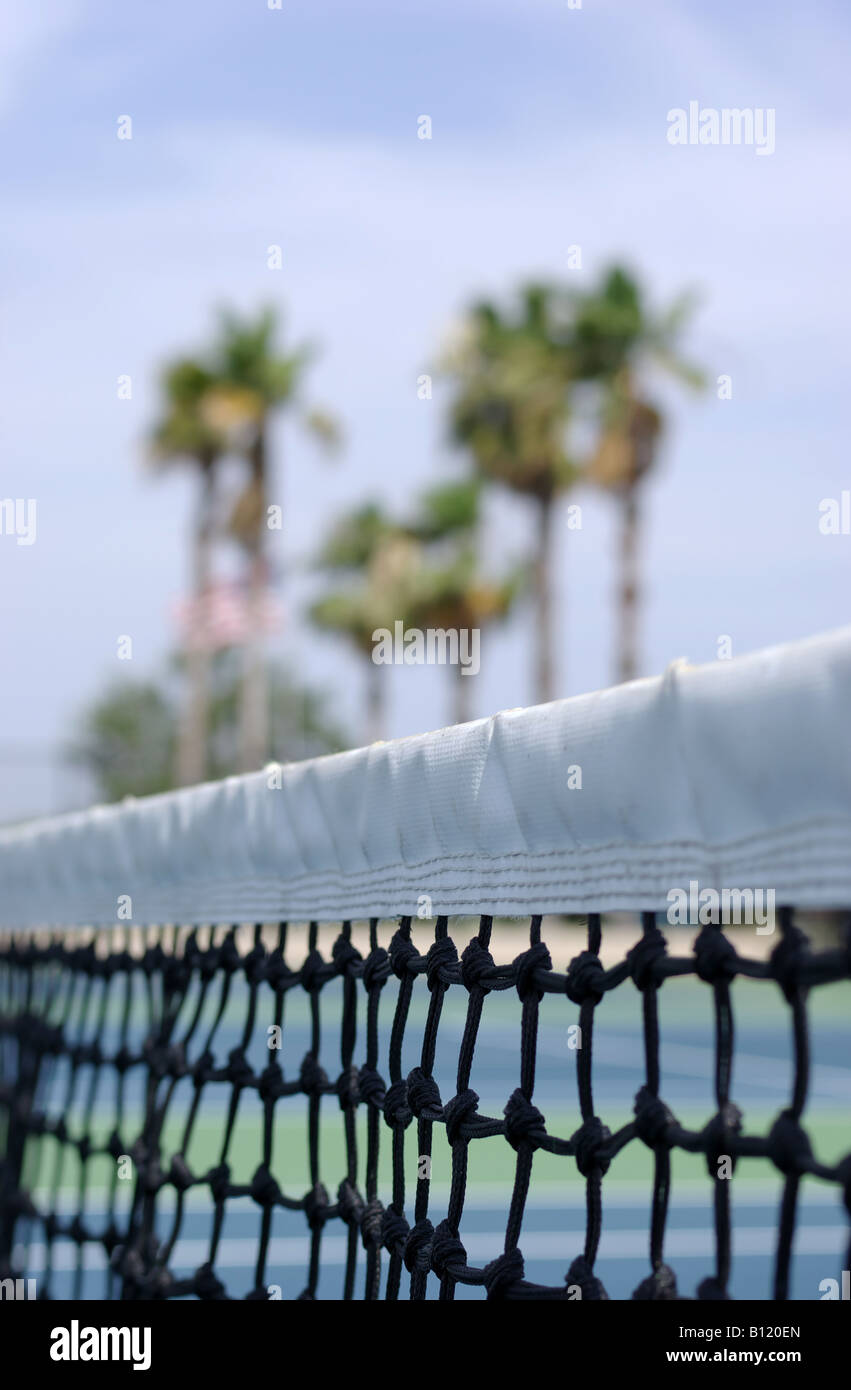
253, 707
192, 733
374, 702
627, 640
544, 682
461, 694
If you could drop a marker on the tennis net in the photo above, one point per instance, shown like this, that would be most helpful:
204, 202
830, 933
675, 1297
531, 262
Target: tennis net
184, 1096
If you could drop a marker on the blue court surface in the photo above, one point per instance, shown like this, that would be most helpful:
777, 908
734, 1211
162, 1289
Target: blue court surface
553, 1228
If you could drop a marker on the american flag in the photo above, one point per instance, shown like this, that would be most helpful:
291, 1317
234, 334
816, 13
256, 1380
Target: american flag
223, 617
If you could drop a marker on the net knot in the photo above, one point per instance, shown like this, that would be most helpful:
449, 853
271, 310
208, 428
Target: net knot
277, 970
111, 1239
264, 1189
371, 1087
311, 973
86, 1053
585, 976
140, 1154
477, 964
230, 959
315, 1204
424, 1095
526, 965
203, 1069
20, 1203
503, 1274
376, 969
83, 958
372, 1225
345, 956
176, 973
123, 1060
396, 1108
218, 1180
114, 1145
457, 1112
645, 957
78, 1231
653, 1120
788, 958
238, 1070
590, 1141
788, 1143
447, 1252
208, 961
207, 1286
349, 1203
582, 1276
313, 1080
658, 1287
254, 965
129, 1264
152, 960
710, 1290
394, 1229
179, 1174
524, 1123
417, 1253
347, 1088
153, 1177
402, 952
441, 963
716, 955
723, 1127
271, 1084
192, 952
158, 1282
35, 1121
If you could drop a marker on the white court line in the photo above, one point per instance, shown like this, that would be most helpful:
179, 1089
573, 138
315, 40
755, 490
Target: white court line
286, 1252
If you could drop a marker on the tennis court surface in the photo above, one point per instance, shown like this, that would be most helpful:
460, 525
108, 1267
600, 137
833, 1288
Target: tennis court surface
552, 1005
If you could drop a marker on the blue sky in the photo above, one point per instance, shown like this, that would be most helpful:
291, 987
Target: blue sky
298, 127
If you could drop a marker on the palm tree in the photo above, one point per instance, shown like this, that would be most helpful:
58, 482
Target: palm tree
186, 434
377, 559
455, 598
451, 593
615, 338
423, 572
253, 379
513, 372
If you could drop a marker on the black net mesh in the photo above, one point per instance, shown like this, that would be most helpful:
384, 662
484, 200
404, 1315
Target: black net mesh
117, 1047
